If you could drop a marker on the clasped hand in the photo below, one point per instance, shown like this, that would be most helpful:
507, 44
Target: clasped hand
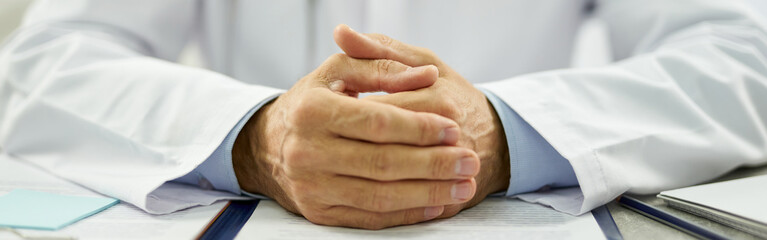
430, 148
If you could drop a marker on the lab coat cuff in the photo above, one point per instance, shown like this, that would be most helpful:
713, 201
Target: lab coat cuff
217, 171
534, 163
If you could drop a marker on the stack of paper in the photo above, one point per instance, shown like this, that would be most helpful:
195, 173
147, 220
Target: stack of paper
494, 218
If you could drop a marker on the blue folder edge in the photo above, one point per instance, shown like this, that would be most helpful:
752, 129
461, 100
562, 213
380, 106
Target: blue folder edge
230, 220
606, 223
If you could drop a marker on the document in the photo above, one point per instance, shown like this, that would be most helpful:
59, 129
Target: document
122, 221
494, 218
23, 208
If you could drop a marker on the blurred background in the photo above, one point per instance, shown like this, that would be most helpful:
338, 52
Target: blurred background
12, 11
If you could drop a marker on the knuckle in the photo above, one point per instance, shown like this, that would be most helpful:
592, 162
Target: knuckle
434, 196
336, 58
383, 39
331, 65
379, 200
386, 40
412, 216
360, 200
306, 109
425, 129
383, 66
449, 108
379, 164
326, 72
442, 165
377, 123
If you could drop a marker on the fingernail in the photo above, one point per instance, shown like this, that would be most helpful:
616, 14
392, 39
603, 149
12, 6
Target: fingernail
465, 167
450, 135
420, 69
337, 86
461, 191
432, 212
431, 67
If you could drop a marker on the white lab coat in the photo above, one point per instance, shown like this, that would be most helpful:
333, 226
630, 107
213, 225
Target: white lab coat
89, 89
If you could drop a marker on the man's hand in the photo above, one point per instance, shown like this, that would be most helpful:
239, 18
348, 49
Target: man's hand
341, 161
451, 96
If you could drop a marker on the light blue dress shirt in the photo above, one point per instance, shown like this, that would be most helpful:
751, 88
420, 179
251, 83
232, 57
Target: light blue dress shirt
534, 162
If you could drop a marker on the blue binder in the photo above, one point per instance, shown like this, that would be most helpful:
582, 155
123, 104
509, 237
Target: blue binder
229, 222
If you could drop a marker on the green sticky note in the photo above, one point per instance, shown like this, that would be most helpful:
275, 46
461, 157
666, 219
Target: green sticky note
40, 210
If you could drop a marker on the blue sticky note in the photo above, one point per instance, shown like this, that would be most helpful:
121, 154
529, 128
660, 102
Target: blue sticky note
40, 210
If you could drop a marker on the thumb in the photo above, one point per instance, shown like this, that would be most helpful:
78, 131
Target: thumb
378, 46
357, 45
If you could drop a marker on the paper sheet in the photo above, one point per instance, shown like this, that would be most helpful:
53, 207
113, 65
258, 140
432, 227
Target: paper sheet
23, 208
123, 221
494, 218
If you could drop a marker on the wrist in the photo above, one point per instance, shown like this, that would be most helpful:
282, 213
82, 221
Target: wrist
494, 172
250, 157
498, 163
244, 159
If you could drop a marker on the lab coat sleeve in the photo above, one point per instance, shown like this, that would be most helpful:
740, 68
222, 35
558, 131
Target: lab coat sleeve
88, 92
534, 163
685, 102
217, 171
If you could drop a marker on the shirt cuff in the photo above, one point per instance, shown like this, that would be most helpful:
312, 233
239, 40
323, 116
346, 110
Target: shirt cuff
535, 164
217, 172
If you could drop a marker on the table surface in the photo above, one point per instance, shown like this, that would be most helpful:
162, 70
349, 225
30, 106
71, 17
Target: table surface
635, 226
